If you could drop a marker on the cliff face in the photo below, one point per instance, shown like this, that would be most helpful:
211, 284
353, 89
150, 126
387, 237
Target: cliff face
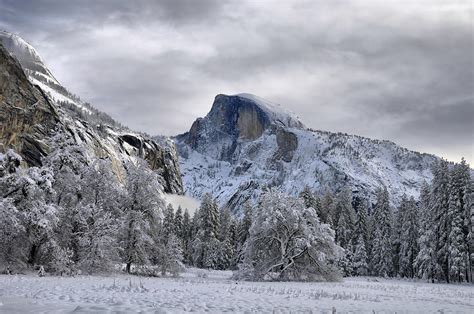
246, 144
240, 118
27, 117
30, 112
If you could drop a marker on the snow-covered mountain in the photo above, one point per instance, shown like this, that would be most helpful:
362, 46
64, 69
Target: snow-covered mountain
246, 143
33, 105
35, 69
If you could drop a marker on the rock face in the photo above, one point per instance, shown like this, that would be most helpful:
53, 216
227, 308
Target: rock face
31, 109
235, 119
245, 144
287, 143
26, 114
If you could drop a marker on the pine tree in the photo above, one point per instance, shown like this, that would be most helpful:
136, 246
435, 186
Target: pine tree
425, 262
467, 204
178, 223
408, 239
245, 223
382, 246
169, 227
458, 252
397, 227
186, 237
439, 204
234, 244
362, 224
243, 232
345, 219
311, 200
206, 244
346, 263
171, 257
360, 257
328, 208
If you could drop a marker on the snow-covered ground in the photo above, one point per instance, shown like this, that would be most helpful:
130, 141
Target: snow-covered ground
213, 291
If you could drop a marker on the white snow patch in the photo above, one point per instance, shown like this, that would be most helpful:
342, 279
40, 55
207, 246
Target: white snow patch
213, 291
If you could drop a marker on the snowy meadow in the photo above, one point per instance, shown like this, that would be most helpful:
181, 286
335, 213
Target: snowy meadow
199, 290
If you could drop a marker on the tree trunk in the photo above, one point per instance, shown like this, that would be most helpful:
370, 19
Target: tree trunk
127, 267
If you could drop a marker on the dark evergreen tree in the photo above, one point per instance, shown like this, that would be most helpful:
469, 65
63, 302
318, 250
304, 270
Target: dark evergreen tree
206, 244
439, 205
382, 258
408, 239
425, 262
360, 258
311, 200
458, 249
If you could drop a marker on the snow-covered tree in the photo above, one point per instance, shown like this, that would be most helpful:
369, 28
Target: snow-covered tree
96, 220
328, 208
97, 247
345, 216
458, 249
311, 200
425, 262
346, 262
287, 242
227, 250
360, 257
408, 238
362, 224
168, 227
439, 205
245, 224
11, 231
206, 243
31, 191
171, 258
186, 237
142, 205
382, 257
9, 163
61, 262
178, 223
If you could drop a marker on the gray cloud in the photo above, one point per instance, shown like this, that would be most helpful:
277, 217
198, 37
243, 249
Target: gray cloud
397, 71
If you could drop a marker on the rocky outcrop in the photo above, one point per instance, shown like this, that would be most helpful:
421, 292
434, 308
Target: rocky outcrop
29, 115
287, 143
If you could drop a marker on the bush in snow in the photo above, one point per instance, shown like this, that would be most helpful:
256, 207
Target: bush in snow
288, 242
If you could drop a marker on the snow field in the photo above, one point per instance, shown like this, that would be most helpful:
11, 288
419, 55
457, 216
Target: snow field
213, 291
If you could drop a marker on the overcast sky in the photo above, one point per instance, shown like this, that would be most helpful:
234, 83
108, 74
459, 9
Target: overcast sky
397, 70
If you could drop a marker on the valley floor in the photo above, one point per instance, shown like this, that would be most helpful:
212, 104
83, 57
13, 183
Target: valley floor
213, 291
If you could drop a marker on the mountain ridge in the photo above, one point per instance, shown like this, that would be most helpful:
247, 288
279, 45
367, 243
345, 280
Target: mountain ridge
219, 157
42, 112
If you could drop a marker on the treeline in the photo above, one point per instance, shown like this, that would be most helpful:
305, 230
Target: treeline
74, 214
430, 238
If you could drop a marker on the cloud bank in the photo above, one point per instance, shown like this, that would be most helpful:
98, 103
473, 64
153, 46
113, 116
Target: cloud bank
397, 70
